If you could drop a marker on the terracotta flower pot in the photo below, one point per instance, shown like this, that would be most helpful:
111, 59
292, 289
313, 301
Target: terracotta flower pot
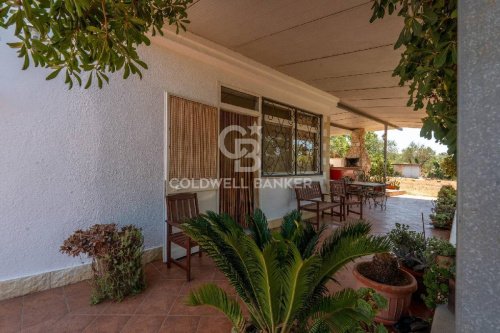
451, 296
444, 261
419, 277
398, 297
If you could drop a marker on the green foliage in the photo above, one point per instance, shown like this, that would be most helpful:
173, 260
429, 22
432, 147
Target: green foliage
438, 247
409, 246
428, 62
375, 148
418, 154
449, 167
436, 284
281, 276
444, 207
339, 145
116, 259
97, 37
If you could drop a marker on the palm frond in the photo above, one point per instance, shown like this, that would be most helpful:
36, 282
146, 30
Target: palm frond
212, 295
259, 228
290, 223
359, 229
347, 244
297, 283
211, 232
340, 312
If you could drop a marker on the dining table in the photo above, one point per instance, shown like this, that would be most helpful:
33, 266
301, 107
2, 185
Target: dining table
369, 190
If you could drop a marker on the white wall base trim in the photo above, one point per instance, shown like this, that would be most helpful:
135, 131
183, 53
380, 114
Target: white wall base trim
39, 282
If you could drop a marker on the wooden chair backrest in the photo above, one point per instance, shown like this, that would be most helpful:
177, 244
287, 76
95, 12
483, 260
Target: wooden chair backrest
182, 207
307, 191
337, 188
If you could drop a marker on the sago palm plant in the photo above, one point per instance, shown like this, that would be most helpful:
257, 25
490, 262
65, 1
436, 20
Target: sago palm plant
281, 276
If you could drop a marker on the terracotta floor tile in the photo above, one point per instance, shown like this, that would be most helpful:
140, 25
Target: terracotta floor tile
180, 324
10, 315
173, 272
143, 324
69, 323
126, 307
214, 325
43, 306
195, 284
181, 309
166, 287
78, 299
107, 324
156, 304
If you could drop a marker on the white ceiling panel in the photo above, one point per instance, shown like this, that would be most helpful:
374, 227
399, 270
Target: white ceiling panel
329, 44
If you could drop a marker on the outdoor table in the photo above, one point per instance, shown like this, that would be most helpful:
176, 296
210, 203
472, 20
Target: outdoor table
368, 188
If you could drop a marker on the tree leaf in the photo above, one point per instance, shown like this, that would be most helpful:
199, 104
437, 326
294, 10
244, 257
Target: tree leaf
53, 74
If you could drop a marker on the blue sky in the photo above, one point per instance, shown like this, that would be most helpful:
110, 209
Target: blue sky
407, 135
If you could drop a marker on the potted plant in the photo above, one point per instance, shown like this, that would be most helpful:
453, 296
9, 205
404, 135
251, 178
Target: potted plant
409, 247
281, 276
393, 185
116, 259
441, 252
444, 207
383, 275
439, 279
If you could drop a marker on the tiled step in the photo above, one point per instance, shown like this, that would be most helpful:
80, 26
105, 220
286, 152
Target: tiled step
393, 193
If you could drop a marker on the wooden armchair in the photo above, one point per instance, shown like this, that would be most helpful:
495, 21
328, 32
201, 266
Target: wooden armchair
311, 199
180, 208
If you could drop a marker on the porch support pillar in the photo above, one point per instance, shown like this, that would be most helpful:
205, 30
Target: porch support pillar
385, 153
478, 224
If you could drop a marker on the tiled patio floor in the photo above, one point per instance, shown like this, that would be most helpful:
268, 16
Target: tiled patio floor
161, 307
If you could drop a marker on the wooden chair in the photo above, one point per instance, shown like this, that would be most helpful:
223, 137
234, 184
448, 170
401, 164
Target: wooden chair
180, 208
338, 192
311, 199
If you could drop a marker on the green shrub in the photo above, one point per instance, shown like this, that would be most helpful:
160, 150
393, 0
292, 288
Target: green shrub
408, 246
436, 284
436, 277
116, 259
444, 207
438, 247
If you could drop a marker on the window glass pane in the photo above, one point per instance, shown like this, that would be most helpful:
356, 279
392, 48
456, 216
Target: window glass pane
308, 143
277, 139
290, 140
237, 98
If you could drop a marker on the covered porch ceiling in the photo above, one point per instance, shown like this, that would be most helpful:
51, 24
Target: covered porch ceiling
329, 44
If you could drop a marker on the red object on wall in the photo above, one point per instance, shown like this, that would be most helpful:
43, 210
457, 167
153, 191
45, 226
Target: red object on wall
335, 174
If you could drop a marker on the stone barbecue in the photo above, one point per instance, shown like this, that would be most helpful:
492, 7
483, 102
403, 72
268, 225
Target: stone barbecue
358, 150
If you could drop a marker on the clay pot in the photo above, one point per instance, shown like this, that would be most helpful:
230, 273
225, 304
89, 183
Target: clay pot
419, 277
444, 261
398, 297
451, 296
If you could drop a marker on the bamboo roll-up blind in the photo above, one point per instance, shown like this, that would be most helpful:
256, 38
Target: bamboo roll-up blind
238, 201
192, 139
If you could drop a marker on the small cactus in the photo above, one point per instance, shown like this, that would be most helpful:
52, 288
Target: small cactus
385, 267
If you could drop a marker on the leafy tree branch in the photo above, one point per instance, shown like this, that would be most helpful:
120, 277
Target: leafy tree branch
94, 36
428, 62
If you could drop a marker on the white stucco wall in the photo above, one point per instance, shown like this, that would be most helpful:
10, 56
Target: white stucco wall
70, 159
